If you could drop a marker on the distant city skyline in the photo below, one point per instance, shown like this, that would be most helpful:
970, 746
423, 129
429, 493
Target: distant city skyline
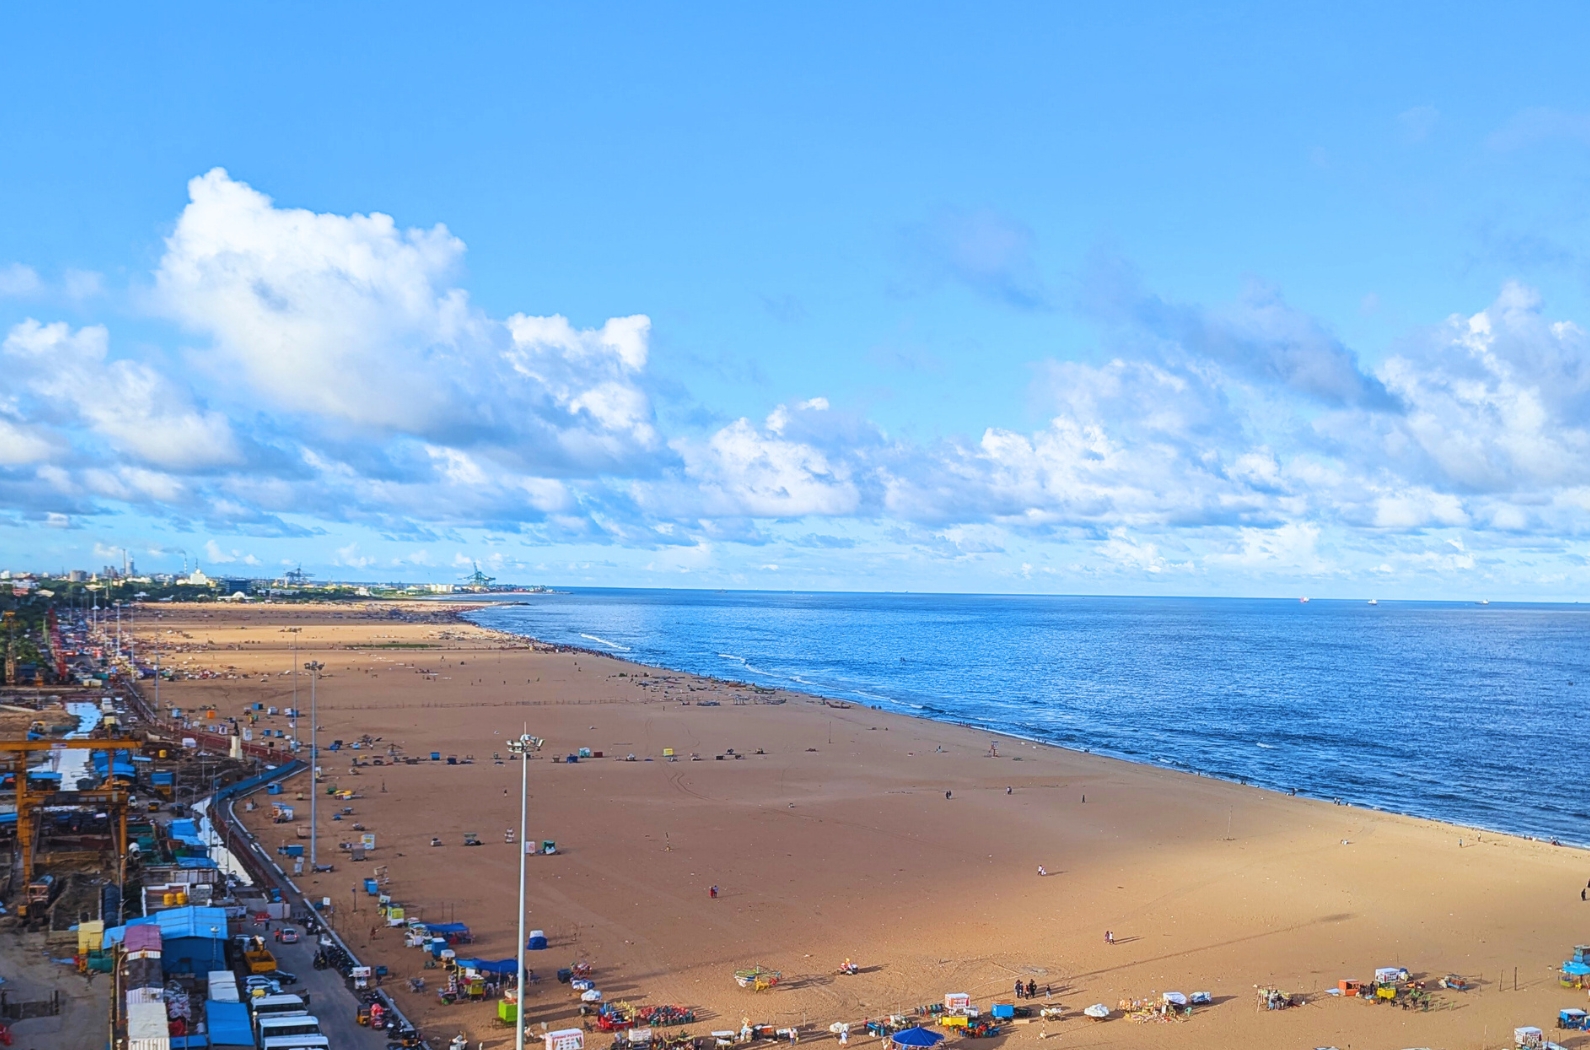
1138, 301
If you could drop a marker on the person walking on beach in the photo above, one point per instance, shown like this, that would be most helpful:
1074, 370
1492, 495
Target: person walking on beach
1041, 872
947, 794
1109, 937
1032, 989
1020, 988
713, 892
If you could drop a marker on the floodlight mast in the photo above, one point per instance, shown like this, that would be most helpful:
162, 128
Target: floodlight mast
314, 668
522, 747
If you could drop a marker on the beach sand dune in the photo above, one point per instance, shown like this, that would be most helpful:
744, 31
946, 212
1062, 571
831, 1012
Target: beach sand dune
907, 846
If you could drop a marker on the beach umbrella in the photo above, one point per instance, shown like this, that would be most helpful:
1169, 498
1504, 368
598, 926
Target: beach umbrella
1098, 1011
1175, 998
918, 1037
1574, 969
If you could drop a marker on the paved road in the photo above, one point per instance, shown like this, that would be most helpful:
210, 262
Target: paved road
329, 997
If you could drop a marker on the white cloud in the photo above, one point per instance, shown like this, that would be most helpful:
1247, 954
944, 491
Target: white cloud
19, 280
348, 379
20, 444
1129, 553
126, 402
1291, 547
351, 557
352, 320
744, 470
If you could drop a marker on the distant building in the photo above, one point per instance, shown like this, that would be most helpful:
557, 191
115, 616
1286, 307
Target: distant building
77, 576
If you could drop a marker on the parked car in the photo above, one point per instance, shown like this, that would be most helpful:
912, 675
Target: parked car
289, 935
283, 977
256, 985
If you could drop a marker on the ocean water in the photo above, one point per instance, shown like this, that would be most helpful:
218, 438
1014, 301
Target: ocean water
1469, 713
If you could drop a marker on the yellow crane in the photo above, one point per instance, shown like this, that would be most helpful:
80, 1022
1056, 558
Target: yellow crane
114, 798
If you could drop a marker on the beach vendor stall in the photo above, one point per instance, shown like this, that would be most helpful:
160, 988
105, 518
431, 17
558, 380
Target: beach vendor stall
917, 1038
452, 932
565, 1039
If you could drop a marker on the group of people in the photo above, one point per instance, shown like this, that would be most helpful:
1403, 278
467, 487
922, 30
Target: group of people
1030, 990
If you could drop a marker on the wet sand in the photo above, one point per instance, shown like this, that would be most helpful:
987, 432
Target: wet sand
840, 841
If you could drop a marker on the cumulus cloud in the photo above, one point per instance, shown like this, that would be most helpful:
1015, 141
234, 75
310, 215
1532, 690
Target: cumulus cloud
353, 321
68, 378
746, 470
336, 372
1496, 402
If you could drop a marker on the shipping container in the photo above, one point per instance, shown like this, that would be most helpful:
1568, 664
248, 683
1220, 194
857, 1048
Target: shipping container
147, 1027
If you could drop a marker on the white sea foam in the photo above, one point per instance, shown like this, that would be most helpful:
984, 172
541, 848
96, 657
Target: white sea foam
604, 641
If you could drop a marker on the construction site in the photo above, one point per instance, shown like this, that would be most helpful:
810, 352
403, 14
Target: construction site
99, 826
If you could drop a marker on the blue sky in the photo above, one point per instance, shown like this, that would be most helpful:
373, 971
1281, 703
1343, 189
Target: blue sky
968, 298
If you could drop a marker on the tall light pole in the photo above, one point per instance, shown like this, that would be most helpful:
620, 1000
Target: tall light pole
294, 723
522, 748
313, 667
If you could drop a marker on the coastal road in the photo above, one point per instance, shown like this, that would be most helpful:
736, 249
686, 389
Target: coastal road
329, 997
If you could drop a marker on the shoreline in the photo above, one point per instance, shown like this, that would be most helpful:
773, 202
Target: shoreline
902, 842
922, 715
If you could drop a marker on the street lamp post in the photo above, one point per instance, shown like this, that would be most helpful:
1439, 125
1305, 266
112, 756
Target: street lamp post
313, 667
522, 748
294, 723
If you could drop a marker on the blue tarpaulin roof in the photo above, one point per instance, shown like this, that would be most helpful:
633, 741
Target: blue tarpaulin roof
183, 827
102, 761
487, 966
191, 921
918, 1036
228, 1024
195, 862
447, 927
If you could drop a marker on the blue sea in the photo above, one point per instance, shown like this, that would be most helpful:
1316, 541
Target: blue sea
1469, 713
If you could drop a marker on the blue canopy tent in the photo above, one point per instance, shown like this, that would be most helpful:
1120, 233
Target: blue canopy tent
916, 1037
1575, 969
487, 966
453, 931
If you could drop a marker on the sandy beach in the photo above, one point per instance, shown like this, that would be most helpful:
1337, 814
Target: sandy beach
907, 846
